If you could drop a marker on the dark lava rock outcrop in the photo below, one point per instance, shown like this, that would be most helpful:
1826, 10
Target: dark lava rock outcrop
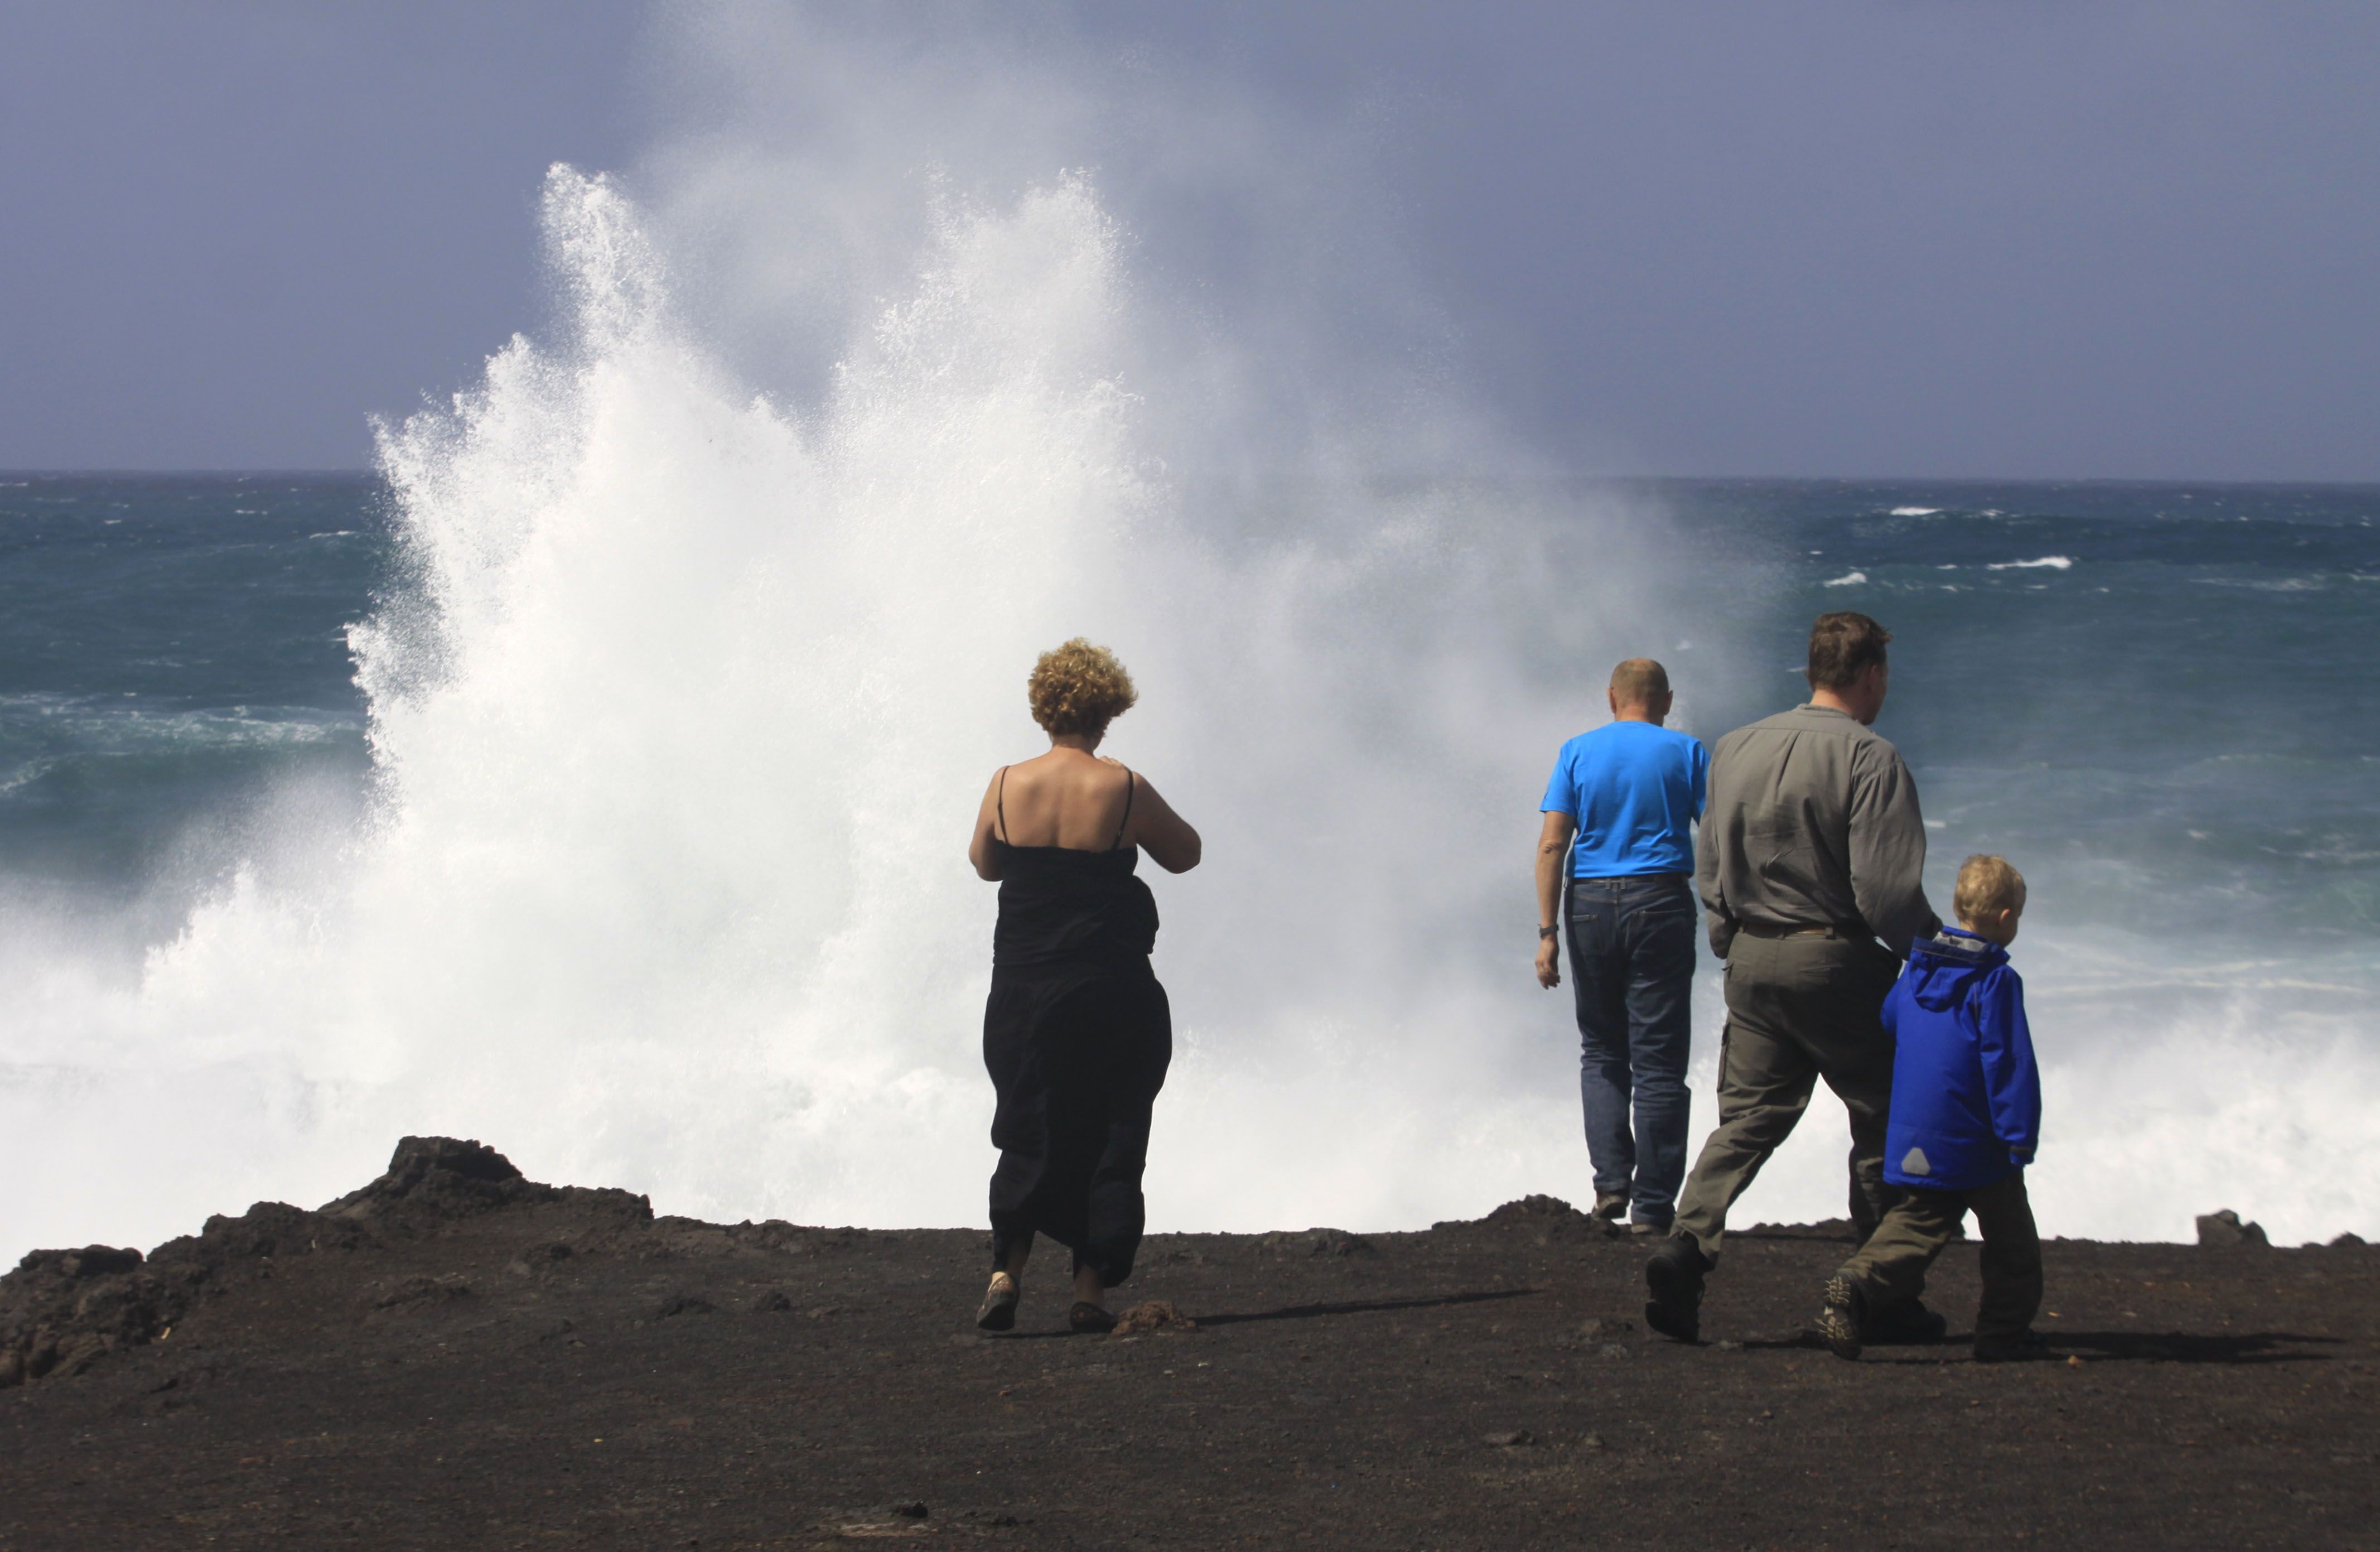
63, 1310
1550, 1216
2224, 1230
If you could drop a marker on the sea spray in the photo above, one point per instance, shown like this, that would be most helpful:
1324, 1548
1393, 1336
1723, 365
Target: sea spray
676, 725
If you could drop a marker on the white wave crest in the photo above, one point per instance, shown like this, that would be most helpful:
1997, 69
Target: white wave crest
678, 729
2052, 563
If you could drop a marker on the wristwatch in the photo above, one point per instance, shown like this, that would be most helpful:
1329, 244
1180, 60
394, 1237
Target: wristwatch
1545, 932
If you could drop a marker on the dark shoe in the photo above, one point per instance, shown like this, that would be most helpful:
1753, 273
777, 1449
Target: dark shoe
1673, 1283
1641, 1228
1841, 1322
1909, 1324
1611, 1207
2024, 1347
998, 1312
1089, 1319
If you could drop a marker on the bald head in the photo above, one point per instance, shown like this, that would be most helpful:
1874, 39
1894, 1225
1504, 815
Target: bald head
1640, 691
1638, 681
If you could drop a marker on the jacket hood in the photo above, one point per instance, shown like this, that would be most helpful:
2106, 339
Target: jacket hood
1944, 968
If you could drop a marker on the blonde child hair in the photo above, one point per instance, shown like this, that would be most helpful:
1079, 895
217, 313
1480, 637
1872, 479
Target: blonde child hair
1987, 885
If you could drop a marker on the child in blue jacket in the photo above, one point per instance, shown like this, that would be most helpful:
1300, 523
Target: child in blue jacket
1965, 1119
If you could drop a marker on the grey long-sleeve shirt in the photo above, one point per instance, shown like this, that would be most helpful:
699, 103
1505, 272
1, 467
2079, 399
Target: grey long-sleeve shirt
1812, 821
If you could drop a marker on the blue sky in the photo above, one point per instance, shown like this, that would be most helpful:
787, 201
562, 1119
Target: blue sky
2127, 240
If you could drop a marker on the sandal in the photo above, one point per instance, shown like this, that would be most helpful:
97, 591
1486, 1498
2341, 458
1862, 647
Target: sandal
1089, 1319
998, 1312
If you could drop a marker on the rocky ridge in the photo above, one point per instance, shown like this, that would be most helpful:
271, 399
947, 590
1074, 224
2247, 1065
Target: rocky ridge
457, 1357
61, 1311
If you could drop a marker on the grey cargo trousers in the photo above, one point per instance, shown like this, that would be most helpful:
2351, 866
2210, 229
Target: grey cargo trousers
1799, 1009
1891, 1266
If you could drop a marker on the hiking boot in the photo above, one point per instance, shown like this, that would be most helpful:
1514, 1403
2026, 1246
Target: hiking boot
1673, 1283
2024, 1346
1908, 1324
1610, 1205
1841, 1322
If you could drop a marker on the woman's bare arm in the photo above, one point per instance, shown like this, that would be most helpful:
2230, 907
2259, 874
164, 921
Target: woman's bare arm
1163, 833
979, 852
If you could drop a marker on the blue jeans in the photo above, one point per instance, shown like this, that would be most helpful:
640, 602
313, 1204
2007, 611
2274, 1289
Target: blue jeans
1631, 968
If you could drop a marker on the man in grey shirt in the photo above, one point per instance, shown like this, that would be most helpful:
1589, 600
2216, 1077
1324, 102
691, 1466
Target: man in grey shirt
1811, 850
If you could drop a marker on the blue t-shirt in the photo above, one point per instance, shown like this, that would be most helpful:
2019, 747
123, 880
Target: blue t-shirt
1636, 791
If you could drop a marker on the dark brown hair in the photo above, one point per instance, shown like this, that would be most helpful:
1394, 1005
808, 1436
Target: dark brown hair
1842, 646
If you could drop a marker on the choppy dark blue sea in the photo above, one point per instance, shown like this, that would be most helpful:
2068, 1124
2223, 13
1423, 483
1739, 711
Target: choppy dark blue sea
2171, 689
172, 649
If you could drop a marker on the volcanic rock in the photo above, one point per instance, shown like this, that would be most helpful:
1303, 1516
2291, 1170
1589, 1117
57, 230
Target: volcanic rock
437, 1177
1315, 1242
1552, 1218
1153, 1314
2224, 1230
62, 1310
244, 1387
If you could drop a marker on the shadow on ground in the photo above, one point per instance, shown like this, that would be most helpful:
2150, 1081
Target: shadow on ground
1367, 1306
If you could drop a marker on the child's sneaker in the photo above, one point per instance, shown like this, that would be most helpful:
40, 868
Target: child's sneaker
1838, 1322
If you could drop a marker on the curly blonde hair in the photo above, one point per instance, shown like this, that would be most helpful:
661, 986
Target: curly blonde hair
1078, 688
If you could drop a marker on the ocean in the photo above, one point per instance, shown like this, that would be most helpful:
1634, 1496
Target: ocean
593, 778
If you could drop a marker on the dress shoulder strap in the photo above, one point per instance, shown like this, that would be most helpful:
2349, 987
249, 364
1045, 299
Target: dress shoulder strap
1130, 784
1000, 803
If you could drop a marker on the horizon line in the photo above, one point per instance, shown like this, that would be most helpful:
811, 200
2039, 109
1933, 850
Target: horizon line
365, 473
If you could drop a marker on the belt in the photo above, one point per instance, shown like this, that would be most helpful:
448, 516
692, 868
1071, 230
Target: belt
1758, 930
1632, 879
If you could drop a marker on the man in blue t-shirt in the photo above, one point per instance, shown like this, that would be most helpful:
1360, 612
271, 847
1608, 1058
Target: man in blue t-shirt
1619, 840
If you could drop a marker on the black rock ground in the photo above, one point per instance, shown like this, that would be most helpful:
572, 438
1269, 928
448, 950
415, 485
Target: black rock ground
455, 1357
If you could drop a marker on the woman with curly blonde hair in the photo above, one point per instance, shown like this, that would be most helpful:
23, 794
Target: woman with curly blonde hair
1076, 1033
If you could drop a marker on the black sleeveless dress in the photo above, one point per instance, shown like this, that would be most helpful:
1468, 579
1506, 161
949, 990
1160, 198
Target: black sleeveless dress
1078, 1036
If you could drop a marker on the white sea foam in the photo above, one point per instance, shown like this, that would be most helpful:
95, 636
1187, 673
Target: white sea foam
680, 722
1849, 580
111, 726
2266, 585
1915, 511
2052, 563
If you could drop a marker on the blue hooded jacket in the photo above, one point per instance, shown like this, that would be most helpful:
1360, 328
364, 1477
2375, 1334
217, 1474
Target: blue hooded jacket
1966, 1097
